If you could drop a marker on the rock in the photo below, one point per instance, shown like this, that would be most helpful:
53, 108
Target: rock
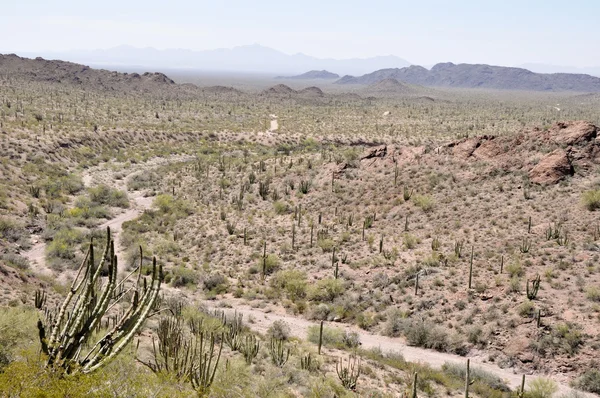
552, 168
387, 113
525, 357
464, 149
375, 152
339, 169
573, 133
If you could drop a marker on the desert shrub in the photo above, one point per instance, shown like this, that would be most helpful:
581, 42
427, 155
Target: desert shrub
15, 261
122, 377
393, 327
17, 329
593, 293
279, 330
589, 381
280, 207
526, 309
565, 338
425, 202
59, 183
351, 339
292, 281
143, 179
85, 208
10, 230
409, 241
182, 276
216, 283
326, 244
320, 312
167, 204
271, 264
478, 375
541, 388
105, 195
591, 199
515, 269
425, 334
233, 380
333, 337
326, 290
63, 244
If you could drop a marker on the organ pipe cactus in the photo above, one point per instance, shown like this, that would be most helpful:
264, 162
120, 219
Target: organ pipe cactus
65, 335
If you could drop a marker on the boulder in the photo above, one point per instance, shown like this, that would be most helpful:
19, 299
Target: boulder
552, 168
573, 133
375, 152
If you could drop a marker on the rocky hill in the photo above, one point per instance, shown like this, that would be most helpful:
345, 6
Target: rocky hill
481, 76
282, 89
313, 74
391, 86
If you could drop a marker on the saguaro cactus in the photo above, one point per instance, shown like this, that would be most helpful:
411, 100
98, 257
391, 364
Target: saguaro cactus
84, 307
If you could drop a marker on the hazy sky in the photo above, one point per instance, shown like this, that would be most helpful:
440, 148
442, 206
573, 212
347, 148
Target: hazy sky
502, 32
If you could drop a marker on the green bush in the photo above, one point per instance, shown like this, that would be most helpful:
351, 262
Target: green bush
326, 244
15, 261
425, 202
333, 337
593, 293
478, 375
280, 207
167, 204
215, 283
143, 179
271, 264
515, 269
17, 329
181, 276
425, 334
541, 388
105, 195
10, 230
591, 199
589, 381
292, 281
565, 338
326, 290
63, 244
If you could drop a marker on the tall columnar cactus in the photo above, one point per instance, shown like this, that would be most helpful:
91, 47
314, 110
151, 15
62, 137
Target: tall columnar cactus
65, 335
414, 386
471, 268
468, 381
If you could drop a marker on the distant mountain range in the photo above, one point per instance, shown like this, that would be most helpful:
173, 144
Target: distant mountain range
252, 58
544, 68
480, 76
313, 74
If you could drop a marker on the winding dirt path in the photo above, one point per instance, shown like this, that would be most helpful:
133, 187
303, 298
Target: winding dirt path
274, 123
260, 321
138, 203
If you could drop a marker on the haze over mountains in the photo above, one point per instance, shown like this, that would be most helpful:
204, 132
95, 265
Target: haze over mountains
251, 58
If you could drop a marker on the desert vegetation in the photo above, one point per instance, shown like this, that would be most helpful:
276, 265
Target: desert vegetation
300, 259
